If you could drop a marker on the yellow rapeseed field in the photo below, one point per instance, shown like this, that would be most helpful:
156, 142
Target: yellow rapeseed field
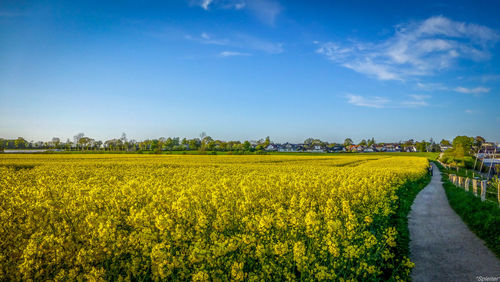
139, 217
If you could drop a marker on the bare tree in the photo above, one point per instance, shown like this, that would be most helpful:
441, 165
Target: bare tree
77, 138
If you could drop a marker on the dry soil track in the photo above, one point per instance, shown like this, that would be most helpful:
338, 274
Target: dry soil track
442, 247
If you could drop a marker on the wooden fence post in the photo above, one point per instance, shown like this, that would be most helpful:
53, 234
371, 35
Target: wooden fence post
467, 182
498, 192
484, 184
474, 186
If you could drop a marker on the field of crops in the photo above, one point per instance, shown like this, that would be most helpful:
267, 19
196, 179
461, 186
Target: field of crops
201, 217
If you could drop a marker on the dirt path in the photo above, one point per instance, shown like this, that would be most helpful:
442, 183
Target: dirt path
442, 247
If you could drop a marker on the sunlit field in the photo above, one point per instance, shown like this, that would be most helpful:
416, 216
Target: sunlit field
201, 217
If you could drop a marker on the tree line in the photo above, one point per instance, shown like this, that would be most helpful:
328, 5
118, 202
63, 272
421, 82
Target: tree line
81, 142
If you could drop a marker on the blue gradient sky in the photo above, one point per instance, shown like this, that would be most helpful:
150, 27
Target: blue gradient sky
246, 69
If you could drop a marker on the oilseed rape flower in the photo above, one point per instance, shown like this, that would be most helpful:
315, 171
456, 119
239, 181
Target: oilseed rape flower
136, 217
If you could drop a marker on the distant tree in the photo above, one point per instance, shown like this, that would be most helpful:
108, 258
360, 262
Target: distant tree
371, 142
77, 138
445, 142
155, 144
421, 146
348, 142
211, 145
247, 146
478, 142
98, 145
463, 141
20, 143
308, 141
194, 144
85, 142
56, 142
362, 143
267, 142
68, 144
409, 142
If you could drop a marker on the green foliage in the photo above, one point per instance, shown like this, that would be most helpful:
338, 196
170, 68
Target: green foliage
445, 142
348, 142
462, 145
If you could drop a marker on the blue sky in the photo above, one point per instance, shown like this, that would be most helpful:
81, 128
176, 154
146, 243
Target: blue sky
245, 69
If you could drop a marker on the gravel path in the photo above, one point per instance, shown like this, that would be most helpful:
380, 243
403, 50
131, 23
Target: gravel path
442, 247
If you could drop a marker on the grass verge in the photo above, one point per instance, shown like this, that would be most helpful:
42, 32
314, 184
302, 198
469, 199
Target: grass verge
482, 218
406, 196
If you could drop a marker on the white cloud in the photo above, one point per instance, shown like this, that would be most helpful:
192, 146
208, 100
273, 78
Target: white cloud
372, 102
476, 90
382, 72
235, 5
265, 10
232, 54
205, 38
414, 101
205, 3
420, 97
468, 111
204, 35
254, 43
415, 49
431, 86
240, 41
490, 77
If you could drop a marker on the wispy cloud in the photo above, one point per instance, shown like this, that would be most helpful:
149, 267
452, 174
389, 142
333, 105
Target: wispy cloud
233, 54
476, 90
236, 5
371, 102
267, 11
469, 111
240, 41
205, 38
431, 86
413, 101
490, 77
415, 49
205, 3
219, 4
254, 43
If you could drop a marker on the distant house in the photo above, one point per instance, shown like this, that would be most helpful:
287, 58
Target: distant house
317, 149
288, 147
352, 148
369, 150
392, 147
336, 149
488, 148
272, 148
444, 147
410, 149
